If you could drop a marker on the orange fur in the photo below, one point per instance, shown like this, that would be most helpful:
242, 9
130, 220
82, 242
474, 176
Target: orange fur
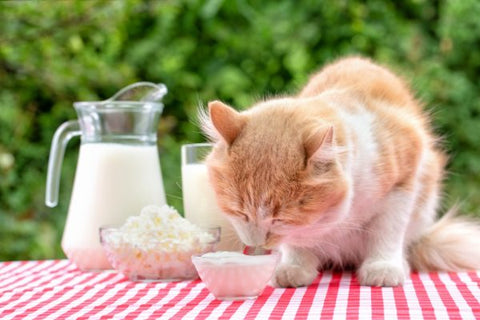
350, 163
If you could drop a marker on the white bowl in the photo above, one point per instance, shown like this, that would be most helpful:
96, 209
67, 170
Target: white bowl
235, 276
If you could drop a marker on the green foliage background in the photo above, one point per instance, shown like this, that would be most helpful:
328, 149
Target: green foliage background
53, 53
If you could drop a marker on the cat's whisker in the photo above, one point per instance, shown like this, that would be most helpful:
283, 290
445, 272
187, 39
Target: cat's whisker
230, 237
173, 196
354, 228
349, 226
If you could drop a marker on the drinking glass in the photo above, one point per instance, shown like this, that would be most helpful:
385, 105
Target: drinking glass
199, 200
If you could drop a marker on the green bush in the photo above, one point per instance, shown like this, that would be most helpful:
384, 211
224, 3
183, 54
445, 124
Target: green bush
55, 53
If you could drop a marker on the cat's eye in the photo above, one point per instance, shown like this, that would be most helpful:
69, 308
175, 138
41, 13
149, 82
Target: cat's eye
238, 214
276, 221
242, 216
322, 167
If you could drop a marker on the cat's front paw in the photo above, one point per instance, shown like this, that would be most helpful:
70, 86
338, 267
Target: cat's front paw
292, 275
382, 273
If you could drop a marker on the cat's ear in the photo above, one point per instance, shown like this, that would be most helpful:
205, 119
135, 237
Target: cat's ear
320, 145
226, 120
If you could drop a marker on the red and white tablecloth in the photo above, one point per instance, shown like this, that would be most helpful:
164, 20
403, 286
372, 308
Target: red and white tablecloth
56, 289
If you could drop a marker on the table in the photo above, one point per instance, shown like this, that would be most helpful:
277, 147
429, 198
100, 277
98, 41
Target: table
56, 289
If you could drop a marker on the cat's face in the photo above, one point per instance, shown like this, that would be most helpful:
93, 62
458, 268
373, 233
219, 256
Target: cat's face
269, 179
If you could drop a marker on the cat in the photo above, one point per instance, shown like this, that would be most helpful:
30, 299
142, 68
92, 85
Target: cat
347, 173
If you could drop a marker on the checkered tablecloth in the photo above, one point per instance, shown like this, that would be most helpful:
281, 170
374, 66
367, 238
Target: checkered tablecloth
56, 289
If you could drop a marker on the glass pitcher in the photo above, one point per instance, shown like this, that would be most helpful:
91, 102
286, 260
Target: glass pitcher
118, 169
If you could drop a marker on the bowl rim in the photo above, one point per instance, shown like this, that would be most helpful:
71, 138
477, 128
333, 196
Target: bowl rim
273, 256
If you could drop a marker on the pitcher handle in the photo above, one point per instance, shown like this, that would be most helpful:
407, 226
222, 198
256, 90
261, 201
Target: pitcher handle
61, 137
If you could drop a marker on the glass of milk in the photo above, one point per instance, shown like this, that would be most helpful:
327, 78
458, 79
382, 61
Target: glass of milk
199, 201
118, 169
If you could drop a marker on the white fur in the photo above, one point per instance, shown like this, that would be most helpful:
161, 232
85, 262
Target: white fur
204, 122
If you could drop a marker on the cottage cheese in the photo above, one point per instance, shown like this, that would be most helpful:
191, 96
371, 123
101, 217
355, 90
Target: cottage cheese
162, 228
156, 244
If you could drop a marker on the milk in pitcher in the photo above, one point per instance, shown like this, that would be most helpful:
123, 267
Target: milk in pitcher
107, 191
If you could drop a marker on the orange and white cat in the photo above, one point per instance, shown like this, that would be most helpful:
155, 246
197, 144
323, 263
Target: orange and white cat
346, 173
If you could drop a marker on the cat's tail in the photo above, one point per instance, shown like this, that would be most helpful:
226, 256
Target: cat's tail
450, 244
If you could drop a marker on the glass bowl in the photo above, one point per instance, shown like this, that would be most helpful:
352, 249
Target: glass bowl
157, 260
235, 276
